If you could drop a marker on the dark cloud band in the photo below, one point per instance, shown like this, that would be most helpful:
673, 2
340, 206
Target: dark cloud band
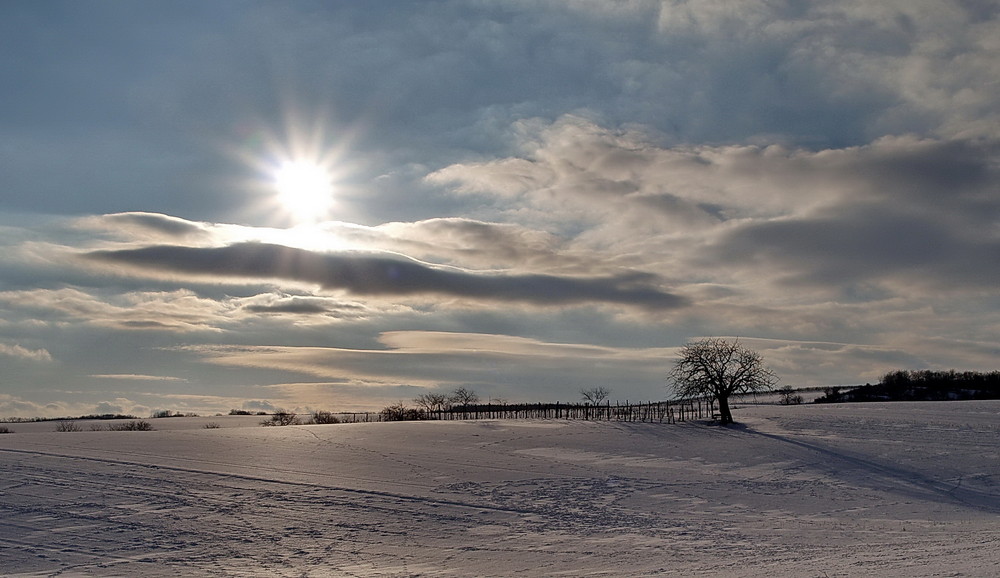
367, 274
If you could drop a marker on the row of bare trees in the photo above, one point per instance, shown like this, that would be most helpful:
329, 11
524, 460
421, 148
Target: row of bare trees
444, 401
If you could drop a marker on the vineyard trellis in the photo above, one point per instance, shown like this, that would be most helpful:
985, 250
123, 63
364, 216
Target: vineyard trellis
649, 412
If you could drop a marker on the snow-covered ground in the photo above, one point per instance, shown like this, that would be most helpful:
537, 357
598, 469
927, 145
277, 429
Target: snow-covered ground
893, 489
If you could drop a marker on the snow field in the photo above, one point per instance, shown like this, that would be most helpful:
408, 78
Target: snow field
894, 489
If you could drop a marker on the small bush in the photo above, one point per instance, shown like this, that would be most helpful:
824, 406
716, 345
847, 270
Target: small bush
400, 412
212, 425
136, 425
324, 417
282, 418
4, 429
68, 426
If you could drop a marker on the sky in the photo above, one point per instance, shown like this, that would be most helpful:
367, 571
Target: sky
334, 205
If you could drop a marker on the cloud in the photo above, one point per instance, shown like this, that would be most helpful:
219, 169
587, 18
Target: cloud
445, 342
897, 210
260, 405
137, 377
104, 408
304, 305
877, 244
479, 244
385, 275
458, 241
25, 353
15, 406
146, 226
498, 364
891, 67
291, 305
176, 311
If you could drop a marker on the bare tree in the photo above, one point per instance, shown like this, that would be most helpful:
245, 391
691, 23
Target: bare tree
719, 368
789, 396
463, 396
431, 401
595, 395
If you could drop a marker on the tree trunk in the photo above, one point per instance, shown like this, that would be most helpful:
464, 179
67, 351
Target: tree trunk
725, 416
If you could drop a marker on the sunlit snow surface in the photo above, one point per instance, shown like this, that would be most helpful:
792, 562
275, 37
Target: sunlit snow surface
896, 489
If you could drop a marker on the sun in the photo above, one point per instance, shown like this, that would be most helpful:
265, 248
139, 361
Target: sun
304, 189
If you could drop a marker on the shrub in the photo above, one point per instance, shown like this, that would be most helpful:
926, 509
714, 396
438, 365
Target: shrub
136, 425
399, 412
282, 418
240, 412
212, 425
68, 426
324, 417
107, 416
4, 429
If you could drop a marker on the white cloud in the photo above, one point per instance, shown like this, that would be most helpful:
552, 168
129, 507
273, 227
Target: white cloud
136, 377
177, 311
25, 353
16, 406
260, 405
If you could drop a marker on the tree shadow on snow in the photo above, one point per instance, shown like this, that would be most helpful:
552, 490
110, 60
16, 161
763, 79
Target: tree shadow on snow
885, 476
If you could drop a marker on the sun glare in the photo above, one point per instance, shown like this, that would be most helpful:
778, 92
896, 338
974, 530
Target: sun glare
305, 190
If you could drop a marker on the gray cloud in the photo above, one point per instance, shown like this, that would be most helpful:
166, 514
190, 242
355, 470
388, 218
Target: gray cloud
277, 304
479, 244
899, 211
146, 224
380, 275
293, 306
866, 244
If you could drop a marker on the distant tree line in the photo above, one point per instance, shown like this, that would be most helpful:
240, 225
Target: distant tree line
82, 417
923, 385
